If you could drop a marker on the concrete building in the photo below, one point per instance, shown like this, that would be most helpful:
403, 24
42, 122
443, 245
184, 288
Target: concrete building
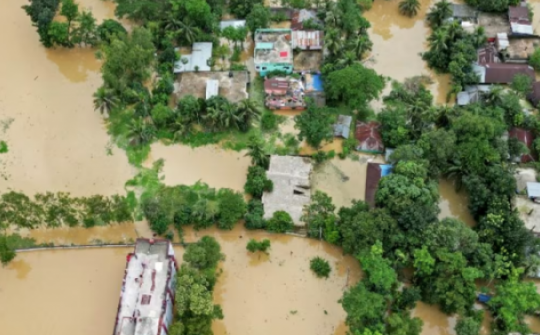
147, 296
291, 178
273, 51
284, 93
201, 53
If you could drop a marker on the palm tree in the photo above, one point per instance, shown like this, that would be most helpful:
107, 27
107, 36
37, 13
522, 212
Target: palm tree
256, 152
362, 44
187, 33
248, 111
438, 14
104, 100
333, 41
347, 59
437, 41
409, 7
141, 132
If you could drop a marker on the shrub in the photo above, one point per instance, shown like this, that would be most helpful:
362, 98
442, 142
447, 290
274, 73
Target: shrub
254, 216
257, 182
534, 61
269, 121
280, 222
232, 208
3, 147
254, 246
320, 267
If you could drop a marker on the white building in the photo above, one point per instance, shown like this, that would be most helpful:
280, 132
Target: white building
147, 297
201, 53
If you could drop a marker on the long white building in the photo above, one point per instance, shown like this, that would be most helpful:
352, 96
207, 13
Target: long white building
147, 297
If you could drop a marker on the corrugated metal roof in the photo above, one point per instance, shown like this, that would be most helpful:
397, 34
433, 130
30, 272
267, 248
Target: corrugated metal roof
369, 137
521, 29
504, 73
526, 137
307, 39
232, 23
212, 88
343, 126
533, 189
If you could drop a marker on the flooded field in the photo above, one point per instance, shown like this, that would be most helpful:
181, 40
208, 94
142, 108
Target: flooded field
216, 167
257, 292
56, 141
398, 42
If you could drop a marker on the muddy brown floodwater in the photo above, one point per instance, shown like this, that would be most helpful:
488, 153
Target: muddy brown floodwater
454, 204
56, 141
398, 42
78, 290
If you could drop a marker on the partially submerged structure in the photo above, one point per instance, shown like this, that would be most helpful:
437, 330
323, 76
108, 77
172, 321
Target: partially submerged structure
198, 60
374, 173
493, 24
472, 94
526, 137
369, 137
232, 85
307, 39
273, 51
343, 126
147, 296
517, 50
284, 93
520, 22
291, 192
301, 16
501, 73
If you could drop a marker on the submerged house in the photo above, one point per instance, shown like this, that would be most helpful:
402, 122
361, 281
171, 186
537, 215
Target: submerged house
284, 93
147, 296
533, 191
472, 94
198, 60
374, 173
273, 51
369, 137
501, 73
291, 192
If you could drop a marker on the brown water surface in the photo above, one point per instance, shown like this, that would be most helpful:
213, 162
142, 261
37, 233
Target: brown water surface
79, 289
56, 140
453, 204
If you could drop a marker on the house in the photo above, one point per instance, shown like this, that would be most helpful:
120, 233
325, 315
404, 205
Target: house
487, 55
232, 23
304, 15
284, 93
343, 126
464, 13
212, 88
291, 192
201, 53
369, 137
501, 73
147, 295
472, 94
526, 137
534, 96
307, 39
520, 22
374, 173
533, 191
273, 51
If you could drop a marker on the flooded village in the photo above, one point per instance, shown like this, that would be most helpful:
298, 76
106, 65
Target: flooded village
70, 276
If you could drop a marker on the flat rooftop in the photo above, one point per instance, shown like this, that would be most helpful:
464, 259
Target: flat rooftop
273, 46
308, 60
201, 52
291, 178
144, 298
284, 93
494, 23
195, 83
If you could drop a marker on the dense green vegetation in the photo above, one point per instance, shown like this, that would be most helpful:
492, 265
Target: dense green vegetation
196, 279
61, 209
3, 147
320, 267
254, 246
492, 5
9, 243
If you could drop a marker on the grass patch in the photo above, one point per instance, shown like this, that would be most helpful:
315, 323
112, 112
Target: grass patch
3, 147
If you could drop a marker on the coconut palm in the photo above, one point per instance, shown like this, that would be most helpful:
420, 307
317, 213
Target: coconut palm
333, 41
187, 33
361, 45
248, 111
439, 13
256, 152
141, 132
104, 100
409, 7
437, 41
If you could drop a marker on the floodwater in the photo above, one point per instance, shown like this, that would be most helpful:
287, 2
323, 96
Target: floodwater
398, 42
56, 141
217, 167
267, 294
453, 204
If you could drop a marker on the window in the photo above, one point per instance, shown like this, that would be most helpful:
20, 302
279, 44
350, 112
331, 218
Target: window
257, 67
264, 68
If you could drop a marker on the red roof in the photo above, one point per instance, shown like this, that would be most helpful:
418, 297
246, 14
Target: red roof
276, 86
487, 54
373, 175
519, 14
504, 73
527, 138
369, 137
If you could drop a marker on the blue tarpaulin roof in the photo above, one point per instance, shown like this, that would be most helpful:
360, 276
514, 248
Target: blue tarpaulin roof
317, 82
484, 297
386, 169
